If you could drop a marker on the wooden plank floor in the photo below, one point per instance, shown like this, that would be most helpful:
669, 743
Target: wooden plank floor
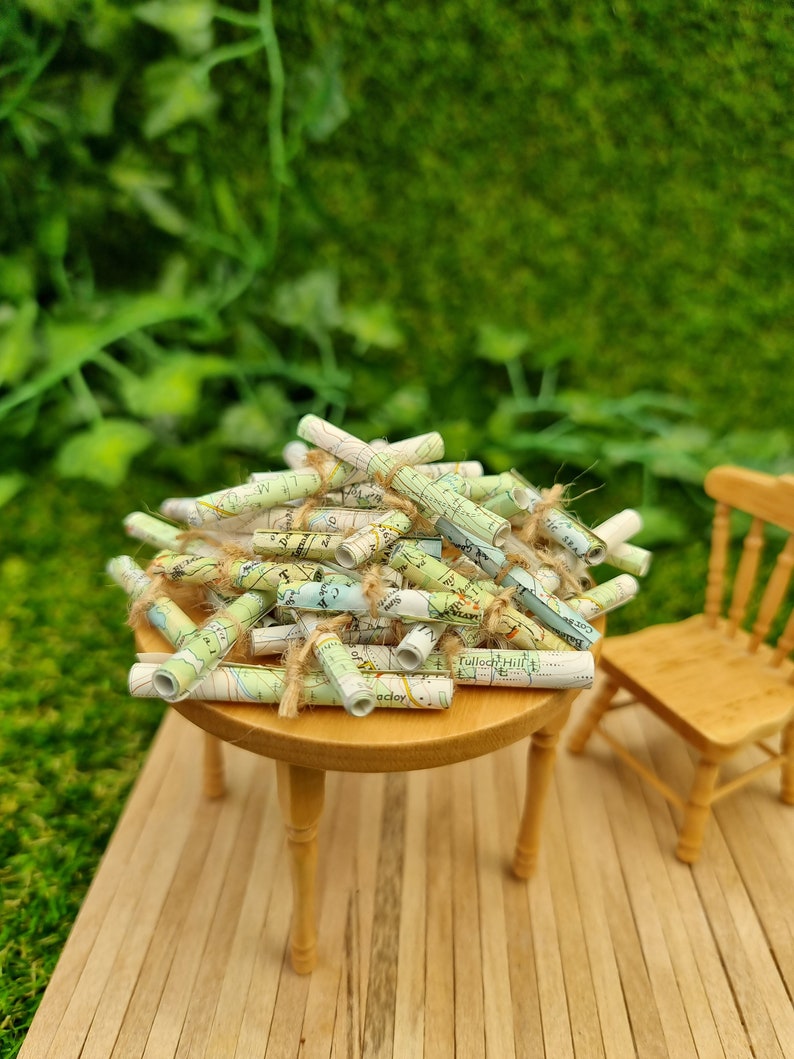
428, 946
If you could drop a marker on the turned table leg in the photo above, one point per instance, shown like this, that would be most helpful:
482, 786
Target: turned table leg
540, 768
301, 793
214, 777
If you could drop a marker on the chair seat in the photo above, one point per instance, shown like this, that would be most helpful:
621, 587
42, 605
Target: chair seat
706, 685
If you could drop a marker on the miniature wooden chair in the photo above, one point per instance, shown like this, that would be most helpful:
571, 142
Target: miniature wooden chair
719, 687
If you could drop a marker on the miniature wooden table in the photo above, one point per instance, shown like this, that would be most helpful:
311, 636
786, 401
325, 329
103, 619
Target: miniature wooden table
325, 738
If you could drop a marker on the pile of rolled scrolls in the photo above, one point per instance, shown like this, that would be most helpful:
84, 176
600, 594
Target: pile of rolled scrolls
373, 575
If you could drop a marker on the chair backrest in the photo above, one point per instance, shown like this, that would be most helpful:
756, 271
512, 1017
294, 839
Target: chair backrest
768, 500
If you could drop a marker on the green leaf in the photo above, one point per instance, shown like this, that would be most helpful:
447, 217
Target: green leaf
373, 325
57, 11
576, 448
177, 93
174, 387
70, 344
145, 185
161, 212
407, 406
317, 95
678, 453
188, 21
17, 277
660, 525
10, 485
619, 452
765, 450
256, 427
500, 346
108, 25
310, 302
17, 344
52, 233
96, 102
104, 452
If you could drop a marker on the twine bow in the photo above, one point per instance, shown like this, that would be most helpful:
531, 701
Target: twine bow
297, 661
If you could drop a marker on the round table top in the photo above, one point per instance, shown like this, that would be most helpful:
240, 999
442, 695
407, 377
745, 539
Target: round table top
479, 720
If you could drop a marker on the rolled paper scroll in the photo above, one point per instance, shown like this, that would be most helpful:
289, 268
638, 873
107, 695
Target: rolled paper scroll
615, 533
430, 497
465, 468
160, 534
212, 508
529, 591
455, 481
276, 639
265, 684
248, 574
176, 677
607, 596
294, 456
241, 574
561, 526
187, 568
355, 693
162, 612
630, 558
371, 494
452, 607
419, 449
487, 486
427, 572
557, 569
338, 575
364, 495
177, 508
420, 639
619, 527
373, 539
507, 504
296, 543
308, 518
493, 668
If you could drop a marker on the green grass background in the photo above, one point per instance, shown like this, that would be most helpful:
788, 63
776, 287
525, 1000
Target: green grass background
614, 179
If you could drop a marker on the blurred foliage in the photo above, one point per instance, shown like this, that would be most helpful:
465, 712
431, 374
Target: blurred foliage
149, 151
570, 222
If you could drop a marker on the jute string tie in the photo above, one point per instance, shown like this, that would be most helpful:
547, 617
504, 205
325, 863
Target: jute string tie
451, 646
197, 533
374, 588
324, 464
533, 523
138, 608
232, 553
495, 611
297, 662
395, 500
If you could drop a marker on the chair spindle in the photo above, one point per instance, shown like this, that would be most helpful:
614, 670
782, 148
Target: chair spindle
718, 559
746, 574
774, 593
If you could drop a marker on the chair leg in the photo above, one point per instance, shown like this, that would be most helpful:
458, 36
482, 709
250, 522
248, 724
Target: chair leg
588, 724
697, 811
787, 778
